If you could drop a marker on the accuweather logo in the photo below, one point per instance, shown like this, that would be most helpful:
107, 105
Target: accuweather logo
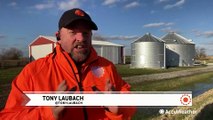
179, 111
185, 99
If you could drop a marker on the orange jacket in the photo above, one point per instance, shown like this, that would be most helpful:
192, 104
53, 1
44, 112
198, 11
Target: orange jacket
47, 73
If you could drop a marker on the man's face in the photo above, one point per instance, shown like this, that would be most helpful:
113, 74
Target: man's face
76, 40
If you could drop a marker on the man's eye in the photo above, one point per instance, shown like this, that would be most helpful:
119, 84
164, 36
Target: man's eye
72, 32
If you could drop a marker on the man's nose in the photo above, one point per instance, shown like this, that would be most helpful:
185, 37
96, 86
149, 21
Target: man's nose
80, 37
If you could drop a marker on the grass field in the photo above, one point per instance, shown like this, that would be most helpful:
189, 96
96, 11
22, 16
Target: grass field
6, 77
171, 84
125, 70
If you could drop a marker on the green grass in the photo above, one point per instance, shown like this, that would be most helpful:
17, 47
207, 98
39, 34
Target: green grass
125, 70
171, 84
7, 75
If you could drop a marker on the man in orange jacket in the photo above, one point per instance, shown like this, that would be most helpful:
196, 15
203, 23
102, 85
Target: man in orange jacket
72, 66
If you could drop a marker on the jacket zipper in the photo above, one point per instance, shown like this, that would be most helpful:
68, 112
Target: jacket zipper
79, 85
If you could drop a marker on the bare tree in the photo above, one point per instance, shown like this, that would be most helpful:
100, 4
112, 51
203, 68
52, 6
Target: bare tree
200, 53
11, 54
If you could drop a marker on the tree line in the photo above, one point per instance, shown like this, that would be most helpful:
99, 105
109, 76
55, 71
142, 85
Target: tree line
11, 54
12, 57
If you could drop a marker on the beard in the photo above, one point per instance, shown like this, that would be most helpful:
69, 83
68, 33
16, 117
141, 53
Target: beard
80, 56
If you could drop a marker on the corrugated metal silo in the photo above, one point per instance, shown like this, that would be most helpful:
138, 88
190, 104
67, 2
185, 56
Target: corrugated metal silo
148, 52
180, 51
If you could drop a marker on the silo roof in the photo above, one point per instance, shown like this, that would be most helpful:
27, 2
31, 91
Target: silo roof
174, 38
148, 37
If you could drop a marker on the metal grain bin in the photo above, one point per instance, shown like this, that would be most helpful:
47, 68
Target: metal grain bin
180, 51
148, 52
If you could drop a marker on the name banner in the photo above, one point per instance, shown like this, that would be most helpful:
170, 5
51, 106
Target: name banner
110, 99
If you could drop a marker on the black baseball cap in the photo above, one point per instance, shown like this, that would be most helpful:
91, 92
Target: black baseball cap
74, 14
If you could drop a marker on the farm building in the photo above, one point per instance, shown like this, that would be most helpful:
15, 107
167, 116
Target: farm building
41, 46
44, 45
111, 51
180, 51
148, 52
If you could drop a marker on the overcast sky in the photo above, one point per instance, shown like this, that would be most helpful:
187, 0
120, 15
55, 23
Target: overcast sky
120, 21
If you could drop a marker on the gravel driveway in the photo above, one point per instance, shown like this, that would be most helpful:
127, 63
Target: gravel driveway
168, 75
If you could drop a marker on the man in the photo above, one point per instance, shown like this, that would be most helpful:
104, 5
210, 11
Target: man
73, 66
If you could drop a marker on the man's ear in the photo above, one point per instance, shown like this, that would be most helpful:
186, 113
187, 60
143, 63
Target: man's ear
57, 35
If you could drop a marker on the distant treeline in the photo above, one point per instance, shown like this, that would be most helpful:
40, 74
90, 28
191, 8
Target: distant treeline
12, 57
11, 54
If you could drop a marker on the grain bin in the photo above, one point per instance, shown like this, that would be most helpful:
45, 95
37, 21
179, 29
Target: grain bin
148, 52
180, 51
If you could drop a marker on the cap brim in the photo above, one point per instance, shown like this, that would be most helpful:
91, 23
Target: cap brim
92, 24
